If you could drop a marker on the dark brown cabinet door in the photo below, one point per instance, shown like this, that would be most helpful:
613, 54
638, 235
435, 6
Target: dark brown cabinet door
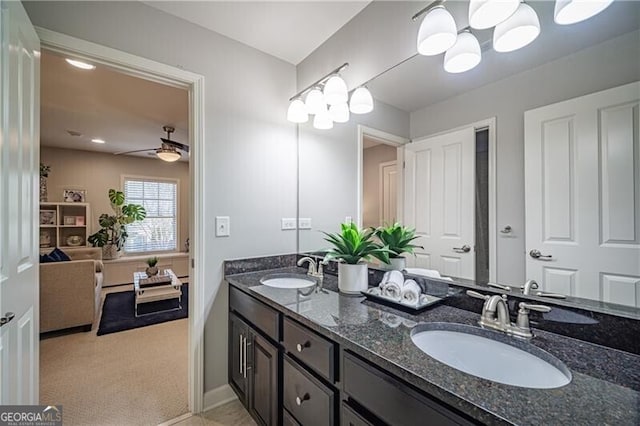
263, 380
238, 340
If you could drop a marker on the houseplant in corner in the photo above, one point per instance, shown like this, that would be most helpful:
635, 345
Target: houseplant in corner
398, 239
113, 232
352, 247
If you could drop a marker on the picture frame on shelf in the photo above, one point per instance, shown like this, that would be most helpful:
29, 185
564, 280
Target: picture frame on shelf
74, 195
79, 221
48, 217
69, 220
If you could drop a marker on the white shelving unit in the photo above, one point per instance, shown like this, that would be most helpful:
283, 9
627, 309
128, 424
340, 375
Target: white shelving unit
61, 221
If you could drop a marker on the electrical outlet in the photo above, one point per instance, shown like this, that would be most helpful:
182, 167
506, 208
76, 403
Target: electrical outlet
223, 226
288, 223
304, 223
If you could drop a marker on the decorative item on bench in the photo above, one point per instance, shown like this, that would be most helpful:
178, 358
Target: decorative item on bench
113, 232
152, 269
353, 247
154, 280
397, 239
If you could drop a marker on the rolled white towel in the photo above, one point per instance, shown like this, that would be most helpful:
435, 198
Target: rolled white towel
393, 287
410, 292
384, 281
431, 273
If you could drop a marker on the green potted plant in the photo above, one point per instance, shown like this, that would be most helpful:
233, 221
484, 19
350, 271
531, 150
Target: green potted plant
352, 247
398, 239
113, 232
152, 269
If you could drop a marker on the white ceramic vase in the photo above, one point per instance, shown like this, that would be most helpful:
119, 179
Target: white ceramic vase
397, 263
352, 279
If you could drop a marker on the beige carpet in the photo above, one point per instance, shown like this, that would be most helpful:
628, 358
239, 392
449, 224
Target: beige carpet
231, 414
134, 377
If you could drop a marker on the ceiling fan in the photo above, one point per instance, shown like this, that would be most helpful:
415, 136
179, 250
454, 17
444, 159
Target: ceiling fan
169, 150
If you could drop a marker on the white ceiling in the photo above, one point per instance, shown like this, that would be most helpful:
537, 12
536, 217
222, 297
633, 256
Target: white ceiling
125, 111
422, 81
289, 30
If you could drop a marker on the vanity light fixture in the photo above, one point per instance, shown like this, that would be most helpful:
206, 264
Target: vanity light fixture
438, 30
339, 112
297, 112
315, 101
322, 120
485, 14
80, 64
572, 11
361, 101
335, 91
464, 55
517, 31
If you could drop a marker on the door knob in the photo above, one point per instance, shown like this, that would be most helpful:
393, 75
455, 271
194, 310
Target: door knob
535, 253
7, 318
464, 249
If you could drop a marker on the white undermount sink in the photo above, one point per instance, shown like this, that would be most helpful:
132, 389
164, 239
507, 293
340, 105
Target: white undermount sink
288, 281
480, 353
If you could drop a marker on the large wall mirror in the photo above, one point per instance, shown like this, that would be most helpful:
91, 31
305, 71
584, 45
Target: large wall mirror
525, 167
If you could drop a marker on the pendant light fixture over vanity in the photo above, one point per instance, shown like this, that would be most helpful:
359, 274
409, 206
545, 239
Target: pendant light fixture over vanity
516, 25
328, 100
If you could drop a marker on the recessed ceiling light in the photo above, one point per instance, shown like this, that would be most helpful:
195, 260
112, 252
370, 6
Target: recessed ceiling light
80, 64
97, 140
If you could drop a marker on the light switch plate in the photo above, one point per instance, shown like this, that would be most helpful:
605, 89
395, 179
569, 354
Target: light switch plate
304, 223
288, 223
223, 226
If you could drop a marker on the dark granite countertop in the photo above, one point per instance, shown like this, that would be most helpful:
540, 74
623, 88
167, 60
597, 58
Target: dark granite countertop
605, 388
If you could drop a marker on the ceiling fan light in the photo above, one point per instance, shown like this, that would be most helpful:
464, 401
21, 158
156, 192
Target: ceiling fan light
485, 14
517, 31
168, 155
339, 112
361, 101
335, 91
464, 55
297, 112
437, 32
315, 101
568, 12
322, 120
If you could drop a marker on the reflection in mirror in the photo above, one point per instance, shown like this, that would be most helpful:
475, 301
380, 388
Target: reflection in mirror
525, 167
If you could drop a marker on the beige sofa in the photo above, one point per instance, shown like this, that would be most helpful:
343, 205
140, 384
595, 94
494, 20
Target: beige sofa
70, 292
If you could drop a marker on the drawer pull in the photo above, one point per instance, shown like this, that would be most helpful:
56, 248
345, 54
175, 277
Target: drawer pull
304, 398
300, 347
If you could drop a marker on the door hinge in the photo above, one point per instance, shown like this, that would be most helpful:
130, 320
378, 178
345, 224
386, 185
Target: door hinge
404, 164
193, 263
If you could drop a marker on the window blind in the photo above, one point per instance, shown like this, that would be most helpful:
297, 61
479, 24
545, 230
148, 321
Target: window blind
158, 231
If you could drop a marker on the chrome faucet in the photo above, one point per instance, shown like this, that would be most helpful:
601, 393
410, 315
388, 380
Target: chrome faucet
315, 270
495, 315
532, 285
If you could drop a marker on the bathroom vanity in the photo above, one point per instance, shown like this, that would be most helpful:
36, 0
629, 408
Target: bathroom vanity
316, 357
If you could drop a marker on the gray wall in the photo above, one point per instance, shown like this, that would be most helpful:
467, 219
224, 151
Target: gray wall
609, 64
250, 148
328, 172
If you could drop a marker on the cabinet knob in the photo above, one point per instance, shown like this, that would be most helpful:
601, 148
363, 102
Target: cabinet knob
299, 400
300, 347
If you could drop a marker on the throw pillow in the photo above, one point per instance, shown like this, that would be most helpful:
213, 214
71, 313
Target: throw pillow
45, 258
59, 256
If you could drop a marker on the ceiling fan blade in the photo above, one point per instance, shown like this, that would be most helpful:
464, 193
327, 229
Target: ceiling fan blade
137, 150
178, 145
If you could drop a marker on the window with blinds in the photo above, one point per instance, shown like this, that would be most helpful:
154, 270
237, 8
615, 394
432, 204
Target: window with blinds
159, 230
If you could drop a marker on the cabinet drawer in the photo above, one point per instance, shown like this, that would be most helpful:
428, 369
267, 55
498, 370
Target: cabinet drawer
288, 420
350, 418
390, 400
308, 400
257, 313
310, 348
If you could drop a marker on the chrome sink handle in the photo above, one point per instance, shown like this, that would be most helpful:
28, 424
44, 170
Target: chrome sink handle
522, 322
478, 295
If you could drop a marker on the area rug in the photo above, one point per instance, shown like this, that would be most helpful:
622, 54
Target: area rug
118, 311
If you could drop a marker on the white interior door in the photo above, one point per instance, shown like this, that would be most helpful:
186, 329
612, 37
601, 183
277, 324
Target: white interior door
388, 193
19, 176
440, 201
582, 193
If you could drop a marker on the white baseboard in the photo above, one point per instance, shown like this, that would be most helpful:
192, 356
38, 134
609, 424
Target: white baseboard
218, 396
